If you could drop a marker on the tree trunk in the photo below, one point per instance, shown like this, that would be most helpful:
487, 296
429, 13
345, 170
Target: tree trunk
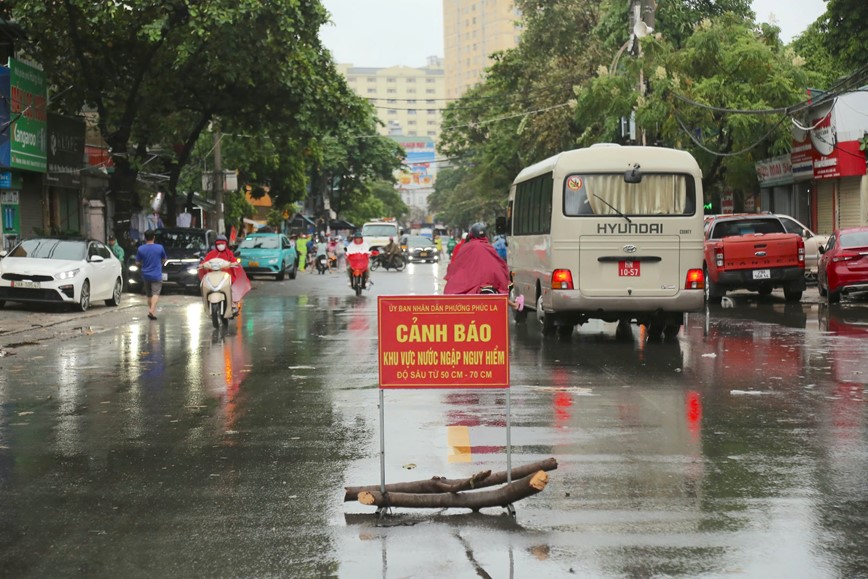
505, 495
440, 484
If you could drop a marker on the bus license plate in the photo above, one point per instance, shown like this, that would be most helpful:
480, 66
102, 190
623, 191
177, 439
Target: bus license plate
762, 274
27, 284
628, 268
423, 254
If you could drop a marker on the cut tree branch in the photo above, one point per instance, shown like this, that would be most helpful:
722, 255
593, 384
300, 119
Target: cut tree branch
501, 497
439, 484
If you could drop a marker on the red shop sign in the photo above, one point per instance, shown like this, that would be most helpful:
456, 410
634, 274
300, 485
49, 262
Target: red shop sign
443, 341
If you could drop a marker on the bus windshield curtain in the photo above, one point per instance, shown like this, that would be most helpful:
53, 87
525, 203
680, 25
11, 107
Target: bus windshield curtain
655, 195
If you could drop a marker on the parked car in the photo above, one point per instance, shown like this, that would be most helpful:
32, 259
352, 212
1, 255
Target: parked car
268, 254
420, 248
60, 271
185, 247
813, 243
843, 267
753, 252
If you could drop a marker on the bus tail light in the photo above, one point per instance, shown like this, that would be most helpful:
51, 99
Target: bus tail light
562, 279
695, 279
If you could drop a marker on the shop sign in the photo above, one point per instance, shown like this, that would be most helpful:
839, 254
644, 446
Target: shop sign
443, 341
727, 203
774, 171
65, 151
29, 130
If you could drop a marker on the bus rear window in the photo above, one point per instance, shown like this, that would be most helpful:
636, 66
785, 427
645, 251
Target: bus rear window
609, 194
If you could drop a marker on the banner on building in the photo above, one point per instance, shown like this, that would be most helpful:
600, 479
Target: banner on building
419, 169
65, 150
29, 129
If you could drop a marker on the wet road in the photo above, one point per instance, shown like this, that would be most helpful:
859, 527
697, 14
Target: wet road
131, 448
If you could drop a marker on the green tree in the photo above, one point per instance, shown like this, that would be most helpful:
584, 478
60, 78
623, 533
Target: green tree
158, 72
381, 200
844, 32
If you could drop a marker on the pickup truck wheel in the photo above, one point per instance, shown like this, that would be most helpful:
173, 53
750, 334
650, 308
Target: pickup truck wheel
792, 295
713, 295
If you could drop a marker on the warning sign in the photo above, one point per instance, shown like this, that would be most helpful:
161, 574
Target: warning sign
443, 341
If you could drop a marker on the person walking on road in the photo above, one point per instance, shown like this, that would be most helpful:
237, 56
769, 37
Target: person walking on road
151, 257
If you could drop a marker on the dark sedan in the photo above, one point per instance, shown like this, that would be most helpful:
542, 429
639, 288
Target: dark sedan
185, 247
420, 248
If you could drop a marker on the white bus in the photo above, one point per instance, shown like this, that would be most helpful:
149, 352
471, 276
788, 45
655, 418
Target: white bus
611, 233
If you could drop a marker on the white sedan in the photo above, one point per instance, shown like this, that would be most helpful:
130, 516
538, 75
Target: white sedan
60, 271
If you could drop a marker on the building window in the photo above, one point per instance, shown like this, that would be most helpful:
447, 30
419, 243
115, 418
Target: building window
411, 111
432, 133
430, 91
430, 80
411, 81
390, 79
372, 90
372, 79
391, 91
432, 111
432, 123
411, 122
411, 90
411, 101
391, 101
393, 112
412, 133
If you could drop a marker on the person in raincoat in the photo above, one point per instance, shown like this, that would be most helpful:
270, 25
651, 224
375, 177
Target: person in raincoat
301, 250
240, 281
478, 266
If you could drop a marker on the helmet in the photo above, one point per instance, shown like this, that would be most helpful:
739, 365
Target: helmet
391, 239
357, 235
477, 231
222, 237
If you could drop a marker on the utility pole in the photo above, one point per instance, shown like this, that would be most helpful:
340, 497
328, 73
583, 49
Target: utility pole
218, 181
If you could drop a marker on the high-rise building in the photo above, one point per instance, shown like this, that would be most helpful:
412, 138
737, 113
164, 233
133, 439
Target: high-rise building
408, 100
472, 31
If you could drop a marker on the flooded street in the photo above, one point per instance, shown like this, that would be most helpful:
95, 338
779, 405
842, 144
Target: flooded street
131, 448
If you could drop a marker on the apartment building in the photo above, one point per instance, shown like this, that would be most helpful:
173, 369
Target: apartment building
472, 31
408, 100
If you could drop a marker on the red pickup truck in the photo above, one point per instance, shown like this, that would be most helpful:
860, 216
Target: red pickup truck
752, 252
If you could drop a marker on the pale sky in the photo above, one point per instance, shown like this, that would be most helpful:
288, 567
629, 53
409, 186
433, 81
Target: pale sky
381, 33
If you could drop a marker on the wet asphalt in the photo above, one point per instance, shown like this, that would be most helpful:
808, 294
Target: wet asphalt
132, 448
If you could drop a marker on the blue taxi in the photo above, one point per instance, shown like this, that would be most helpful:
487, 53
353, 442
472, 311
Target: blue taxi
268, 254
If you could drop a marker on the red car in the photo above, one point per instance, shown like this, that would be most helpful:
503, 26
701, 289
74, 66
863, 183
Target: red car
843, 267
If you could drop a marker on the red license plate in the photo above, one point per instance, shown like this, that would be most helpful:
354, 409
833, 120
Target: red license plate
628, 269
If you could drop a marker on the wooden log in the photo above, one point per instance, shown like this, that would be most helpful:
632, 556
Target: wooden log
437, 484
501, 497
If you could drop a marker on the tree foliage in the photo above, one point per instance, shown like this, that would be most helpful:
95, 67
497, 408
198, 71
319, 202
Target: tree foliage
160, 72
558, 90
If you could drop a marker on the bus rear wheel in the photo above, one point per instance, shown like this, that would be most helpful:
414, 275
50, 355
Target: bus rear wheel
546, 323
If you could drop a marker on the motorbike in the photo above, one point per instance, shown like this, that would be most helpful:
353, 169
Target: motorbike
380, 259
322, 264
216, 290
358, 263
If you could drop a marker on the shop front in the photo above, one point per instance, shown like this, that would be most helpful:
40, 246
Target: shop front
23, 150
63, 179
